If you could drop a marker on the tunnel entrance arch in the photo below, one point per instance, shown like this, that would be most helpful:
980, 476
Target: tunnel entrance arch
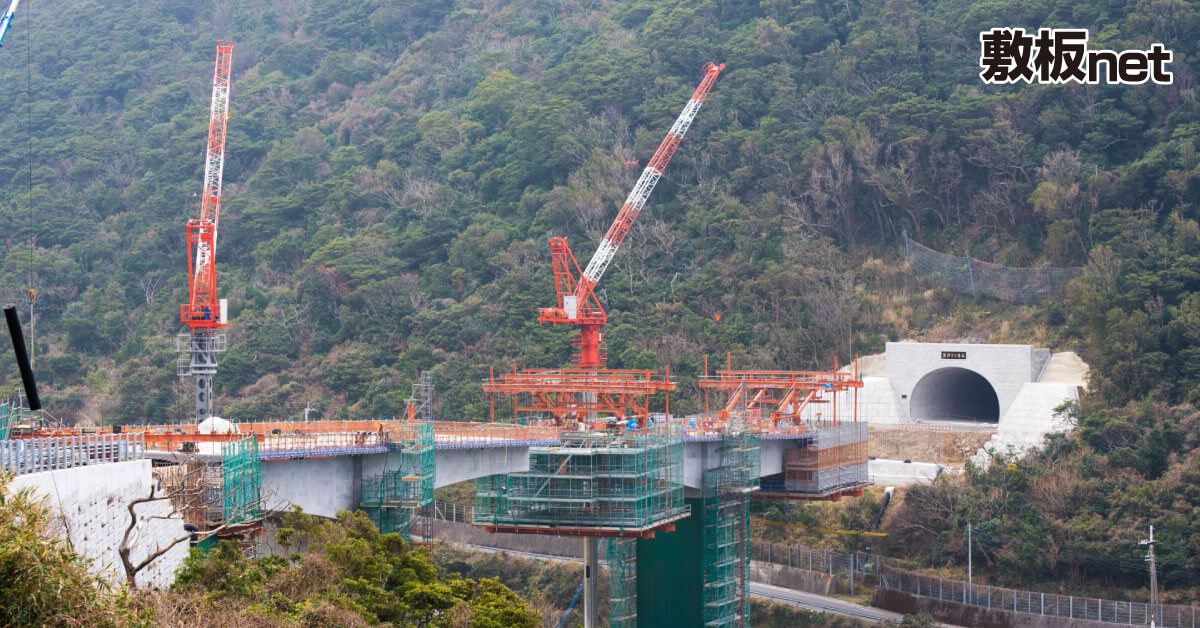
955, 394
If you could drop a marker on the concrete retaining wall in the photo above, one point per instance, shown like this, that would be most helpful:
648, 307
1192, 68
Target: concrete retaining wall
792, 578
965, 615
900, 473
90, 505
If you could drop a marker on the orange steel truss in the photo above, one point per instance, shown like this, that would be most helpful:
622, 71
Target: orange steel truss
570, 395
780, 396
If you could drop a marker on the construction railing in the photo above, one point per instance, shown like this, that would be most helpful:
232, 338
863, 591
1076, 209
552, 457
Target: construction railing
454, 513
35, 455
463, 434
327, 438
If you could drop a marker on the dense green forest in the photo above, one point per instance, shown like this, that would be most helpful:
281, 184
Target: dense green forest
395, 168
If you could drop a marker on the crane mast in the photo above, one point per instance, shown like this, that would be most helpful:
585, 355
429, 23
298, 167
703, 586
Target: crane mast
577, 304
204, 313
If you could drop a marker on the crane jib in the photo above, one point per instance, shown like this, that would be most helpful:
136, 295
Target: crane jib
202, 309
644, 186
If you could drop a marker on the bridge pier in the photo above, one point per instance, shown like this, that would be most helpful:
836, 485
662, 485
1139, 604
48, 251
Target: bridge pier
591, 573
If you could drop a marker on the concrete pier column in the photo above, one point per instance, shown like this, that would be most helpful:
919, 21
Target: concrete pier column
591, 573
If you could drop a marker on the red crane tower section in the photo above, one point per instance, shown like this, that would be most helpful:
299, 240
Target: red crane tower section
204, 313
202, 309
577, 304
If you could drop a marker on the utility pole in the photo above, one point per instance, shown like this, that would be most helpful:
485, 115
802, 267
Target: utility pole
1155, 609
307, 407
968, 553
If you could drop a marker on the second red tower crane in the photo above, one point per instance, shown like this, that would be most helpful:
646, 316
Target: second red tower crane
577, 303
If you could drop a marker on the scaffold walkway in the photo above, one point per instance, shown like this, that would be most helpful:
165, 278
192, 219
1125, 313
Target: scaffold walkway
596, 483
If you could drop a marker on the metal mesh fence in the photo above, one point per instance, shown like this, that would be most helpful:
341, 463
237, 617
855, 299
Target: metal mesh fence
1024, 286
889, 573
1093, 609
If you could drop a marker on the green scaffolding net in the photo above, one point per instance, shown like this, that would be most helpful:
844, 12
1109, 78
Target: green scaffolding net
7, 414
726, 531
629, 480
622, 583
393, 498
241, 480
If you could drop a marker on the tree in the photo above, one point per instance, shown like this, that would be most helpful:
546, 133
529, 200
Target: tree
43, 582
187, 492
346, 565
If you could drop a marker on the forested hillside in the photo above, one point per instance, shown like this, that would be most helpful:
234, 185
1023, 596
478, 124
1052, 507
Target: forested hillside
394, 169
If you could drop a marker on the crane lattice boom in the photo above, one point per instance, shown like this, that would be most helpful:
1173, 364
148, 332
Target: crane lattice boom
203, 309
577, 303
7, 18
203, 312
645, 184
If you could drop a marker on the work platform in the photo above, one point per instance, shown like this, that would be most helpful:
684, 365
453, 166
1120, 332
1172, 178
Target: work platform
595, 483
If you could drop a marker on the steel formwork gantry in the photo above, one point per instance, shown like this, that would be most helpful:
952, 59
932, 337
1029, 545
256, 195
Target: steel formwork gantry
779, 395
572, 395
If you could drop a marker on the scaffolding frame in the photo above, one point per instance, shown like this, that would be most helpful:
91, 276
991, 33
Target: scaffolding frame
393, 498
597, 483
725, 562
622, 583
833, 463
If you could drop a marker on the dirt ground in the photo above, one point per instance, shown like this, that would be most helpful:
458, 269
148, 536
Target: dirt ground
922, 445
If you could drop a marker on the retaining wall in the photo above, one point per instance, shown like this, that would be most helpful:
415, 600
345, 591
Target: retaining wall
90, 506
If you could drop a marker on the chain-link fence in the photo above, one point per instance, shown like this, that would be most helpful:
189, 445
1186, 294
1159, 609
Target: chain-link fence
1023, 286
1034, 603
872, 569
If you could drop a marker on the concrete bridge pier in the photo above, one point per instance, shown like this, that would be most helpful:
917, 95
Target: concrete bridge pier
591, 573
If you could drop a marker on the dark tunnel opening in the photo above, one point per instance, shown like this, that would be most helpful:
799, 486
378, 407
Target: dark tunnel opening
954, 394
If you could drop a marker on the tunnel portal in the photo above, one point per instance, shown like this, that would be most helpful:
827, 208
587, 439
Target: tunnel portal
955, 394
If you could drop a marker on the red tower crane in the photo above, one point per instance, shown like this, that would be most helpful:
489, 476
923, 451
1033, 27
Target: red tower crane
203, 312
577, 304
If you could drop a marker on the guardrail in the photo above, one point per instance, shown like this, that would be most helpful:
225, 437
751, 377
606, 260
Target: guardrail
35, 455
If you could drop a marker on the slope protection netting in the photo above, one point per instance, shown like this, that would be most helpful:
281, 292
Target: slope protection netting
1023, 286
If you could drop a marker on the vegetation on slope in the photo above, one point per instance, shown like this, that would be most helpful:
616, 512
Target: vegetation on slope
43, 582
395, 168
345, 573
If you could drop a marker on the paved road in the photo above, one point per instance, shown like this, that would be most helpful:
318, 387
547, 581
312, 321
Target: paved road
821, 603
810, 601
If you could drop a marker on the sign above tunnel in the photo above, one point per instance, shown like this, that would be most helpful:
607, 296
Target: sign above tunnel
954, 355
